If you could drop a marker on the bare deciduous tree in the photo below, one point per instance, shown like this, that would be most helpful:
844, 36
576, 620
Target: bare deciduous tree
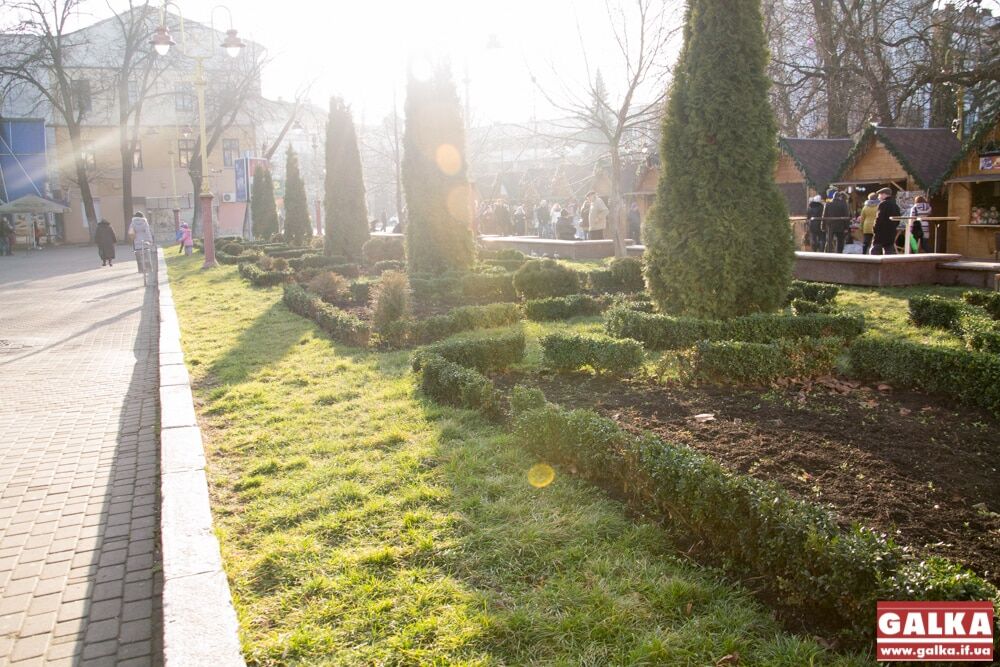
608, 119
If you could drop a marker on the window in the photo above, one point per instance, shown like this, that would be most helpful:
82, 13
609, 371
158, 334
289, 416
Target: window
230, 151
81, 94
133, 92
185, 151
183, 97
137, 155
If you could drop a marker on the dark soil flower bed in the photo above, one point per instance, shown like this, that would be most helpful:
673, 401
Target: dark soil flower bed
897, 462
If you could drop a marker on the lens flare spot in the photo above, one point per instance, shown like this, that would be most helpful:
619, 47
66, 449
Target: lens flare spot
448, 159
458, 203
541, 475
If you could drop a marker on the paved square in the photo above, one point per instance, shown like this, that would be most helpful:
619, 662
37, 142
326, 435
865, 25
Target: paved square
79, 467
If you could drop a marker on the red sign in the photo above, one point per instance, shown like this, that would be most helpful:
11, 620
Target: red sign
942, 631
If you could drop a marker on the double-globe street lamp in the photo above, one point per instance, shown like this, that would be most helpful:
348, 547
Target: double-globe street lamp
233, 45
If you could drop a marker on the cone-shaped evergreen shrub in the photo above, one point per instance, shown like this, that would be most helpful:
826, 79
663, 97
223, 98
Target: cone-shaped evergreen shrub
438, 235
262, 209
346, 225
718, 243
298, 227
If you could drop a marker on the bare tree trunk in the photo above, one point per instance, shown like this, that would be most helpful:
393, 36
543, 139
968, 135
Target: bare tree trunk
616, 221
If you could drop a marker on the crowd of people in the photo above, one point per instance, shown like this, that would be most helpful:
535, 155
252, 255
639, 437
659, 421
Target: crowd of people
567, 221
829, 222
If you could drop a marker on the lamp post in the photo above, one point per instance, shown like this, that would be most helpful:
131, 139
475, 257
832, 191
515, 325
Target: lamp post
233, 45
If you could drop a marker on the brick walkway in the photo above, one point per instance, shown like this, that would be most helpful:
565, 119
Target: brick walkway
78, 461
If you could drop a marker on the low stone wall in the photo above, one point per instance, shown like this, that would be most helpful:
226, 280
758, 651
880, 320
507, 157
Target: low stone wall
984, 275
870, 270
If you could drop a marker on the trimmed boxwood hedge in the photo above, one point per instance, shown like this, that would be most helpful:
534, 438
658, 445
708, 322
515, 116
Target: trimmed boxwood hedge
623, 275
315, 261
793, 549
935, 311
820, 293
665, 332
449, 383
465, 318
287, 253
563, 307
979, 331
602, 353
389, 265
972, 378
743, 363
226, 258
988, 301
485, 353
261, 278
339, 325
382, 248
541, 278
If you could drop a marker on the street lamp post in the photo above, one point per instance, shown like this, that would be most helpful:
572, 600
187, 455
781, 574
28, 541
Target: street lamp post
162, 41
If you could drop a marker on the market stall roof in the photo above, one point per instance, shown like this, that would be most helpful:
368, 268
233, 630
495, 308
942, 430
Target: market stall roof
819, 160
975, 178
925, 153
33, 204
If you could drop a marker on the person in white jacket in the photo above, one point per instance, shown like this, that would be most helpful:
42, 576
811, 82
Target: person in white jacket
140, 232
598, 217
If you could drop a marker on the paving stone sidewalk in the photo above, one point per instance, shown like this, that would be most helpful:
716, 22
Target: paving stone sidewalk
79, 572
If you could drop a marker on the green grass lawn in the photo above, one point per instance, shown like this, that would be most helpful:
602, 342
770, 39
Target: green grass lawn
886, 311
362, 525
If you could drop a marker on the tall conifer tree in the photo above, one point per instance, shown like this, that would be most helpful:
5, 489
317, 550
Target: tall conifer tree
297, 224
718, 242
438, 233
262, 208
346, 214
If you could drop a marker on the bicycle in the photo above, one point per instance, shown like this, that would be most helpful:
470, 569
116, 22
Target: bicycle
148, 255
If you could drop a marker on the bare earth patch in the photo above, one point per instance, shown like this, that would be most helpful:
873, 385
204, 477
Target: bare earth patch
896, 462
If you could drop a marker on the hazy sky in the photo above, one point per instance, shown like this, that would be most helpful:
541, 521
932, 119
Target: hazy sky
360, 49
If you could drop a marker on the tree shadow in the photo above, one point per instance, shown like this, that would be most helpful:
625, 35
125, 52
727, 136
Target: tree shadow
266, 341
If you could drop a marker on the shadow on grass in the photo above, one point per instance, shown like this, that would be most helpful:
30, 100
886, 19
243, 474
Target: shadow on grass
265, 342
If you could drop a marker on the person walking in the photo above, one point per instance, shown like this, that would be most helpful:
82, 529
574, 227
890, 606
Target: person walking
598, 218
187, 241
814, 215
140, 232
544, 218
6, 236
868, 213
106, 240
836, 219
884, 230
920, 228
634, 223
585, 218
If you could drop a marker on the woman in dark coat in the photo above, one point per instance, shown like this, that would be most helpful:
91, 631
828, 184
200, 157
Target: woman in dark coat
106, 240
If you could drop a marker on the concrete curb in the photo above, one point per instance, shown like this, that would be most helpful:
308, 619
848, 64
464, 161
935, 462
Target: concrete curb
199, 622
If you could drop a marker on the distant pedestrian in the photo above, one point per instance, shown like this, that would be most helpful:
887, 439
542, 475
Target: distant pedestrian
140, 232
919, 225
585, 218
106, 240
39, 233
836, 219
598, 218
187, 242
544, 218
868, 213
634, 223
814, 215
6, 237
565, 231
884, 237
520, 221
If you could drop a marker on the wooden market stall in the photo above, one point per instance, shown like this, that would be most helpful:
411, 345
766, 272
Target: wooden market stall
973, 185
806, 167
910, 160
